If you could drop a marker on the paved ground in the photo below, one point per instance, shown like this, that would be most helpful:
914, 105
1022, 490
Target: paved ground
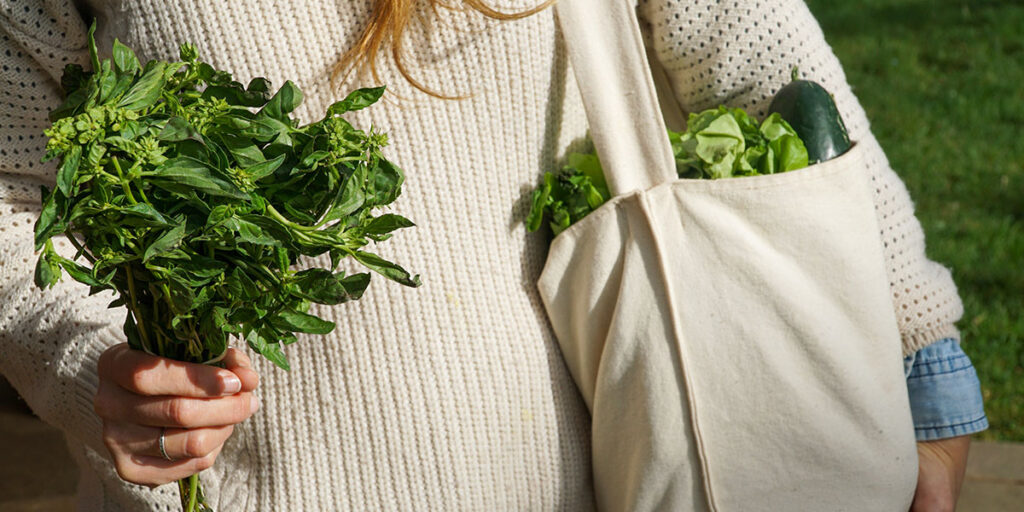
995, 478
37, 475
36, 472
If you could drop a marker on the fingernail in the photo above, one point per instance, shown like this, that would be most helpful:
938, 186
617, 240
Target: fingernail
254, 403
232, 385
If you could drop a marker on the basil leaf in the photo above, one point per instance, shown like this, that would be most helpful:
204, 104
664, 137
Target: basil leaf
48, 223
268, 349
125, 60
93, 53
69, 170
350, 198
255, 95
252, 234
266, 129
144, 214
245, 151
356, 100
321, 286
107, 79
147, 89
241, 286
78, 272
386, 182
188, 174
177, 130
265, 168
181, 295
387, 223
167, 242
47, 269
283, 102
296, 321
386, 268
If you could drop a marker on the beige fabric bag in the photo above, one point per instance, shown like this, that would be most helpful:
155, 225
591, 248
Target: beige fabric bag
734, 339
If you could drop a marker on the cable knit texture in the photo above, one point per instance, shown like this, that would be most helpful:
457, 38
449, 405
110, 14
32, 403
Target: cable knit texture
448, 397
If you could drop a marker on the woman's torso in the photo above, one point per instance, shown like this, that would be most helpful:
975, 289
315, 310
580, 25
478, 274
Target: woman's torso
452, 396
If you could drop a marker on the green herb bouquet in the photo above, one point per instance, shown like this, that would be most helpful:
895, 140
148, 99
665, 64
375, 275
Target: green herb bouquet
192, 197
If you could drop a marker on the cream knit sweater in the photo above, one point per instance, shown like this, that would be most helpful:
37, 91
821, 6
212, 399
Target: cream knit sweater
449, 397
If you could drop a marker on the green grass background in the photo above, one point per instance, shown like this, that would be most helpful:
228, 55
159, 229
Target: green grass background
943, 84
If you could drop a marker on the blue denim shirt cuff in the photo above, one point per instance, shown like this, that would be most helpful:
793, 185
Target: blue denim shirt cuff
945, 395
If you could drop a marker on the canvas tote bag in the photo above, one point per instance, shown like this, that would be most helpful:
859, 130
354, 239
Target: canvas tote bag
735, 340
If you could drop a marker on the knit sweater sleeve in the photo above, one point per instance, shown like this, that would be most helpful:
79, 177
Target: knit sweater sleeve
50, 340
739, 53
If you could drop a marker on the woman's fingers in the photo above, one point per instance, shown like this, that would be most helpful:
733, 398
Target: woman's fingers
154, 471
145, 374
140, 393
236, 357
239, 364
179, 444
118, 405
190, 444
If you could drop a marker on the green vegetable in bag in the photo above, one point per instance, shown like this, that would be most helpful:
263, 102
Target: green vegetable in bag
812, 112
724, 142
718, 143
569, 195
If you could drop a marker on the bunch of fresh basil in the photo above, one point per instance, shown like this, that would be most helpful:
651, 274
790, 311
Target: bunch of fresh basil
718, 143
192, 197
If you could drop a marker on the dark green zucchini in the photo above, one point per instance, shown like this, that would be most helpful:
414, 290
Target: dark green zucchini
812, 113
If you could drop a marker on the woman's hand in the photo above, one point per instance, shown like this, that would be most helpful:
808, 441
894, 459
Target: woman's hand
941, 472
140, 395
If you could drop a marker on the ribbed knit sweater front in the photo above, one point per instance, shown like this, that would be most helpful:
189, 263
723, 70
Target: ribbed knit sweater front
453, 396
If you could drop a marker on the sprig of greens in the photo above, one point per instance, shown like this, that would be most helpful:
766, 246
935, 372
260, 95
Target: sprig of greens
718, 143
570, 194
726, 142
192, 197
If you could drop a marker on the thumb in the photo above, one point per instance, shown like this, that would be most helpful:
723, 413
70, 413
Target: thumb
239, 363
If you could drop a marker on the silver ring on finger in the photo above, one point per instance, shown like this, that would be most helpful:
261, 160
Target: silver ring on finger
163, 444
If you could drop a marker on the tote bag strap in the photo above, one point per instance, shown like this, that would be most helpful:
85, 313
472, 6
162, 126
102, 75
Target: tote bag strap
607, 54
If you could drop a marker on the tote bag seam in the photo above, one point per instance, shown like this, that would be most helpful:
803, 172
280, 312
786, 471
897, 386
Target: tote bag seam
690, 392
